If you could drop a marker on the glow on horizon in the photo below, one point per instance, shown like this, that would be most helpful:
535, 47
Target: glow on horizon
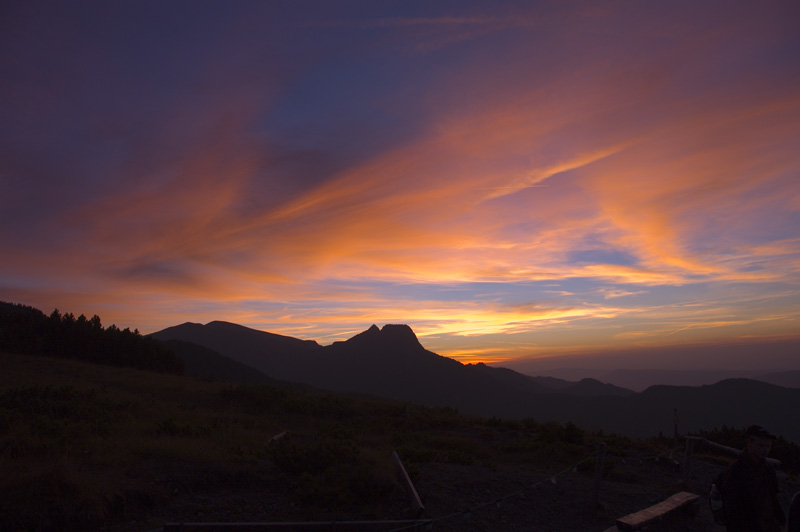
624, 176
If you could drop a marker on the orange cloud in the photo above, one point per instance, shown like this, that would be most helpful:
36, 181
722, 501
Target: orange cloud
572, 144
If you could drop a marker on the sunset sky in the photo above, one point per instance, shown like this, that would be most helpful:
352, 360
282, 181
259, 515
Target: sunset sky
511, 179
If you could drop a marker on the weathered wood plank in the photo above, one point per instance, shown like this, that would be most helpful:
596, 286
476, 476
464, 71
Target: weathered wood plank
635, 520
687, 460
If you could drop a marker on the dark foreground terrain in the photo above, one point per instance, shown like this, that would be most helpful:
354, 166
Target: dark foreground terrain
458, 497
87, 447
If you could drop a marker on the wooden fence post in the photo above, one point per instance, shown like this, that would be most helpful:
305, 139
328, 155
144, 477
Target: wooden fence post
598, 473
675, 420
416, 503
687, 460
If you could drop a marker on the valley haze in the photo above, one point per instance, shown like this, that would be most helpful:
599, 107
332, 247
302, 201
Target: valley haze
776, 361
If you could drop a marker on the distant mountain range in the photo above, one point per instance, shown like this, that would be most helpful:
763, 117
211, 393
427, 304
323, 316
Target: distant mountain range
390, 362
640, 379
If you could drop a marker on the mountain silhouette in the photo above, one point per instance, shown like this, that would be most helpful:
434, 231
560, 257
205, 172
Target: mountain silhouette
276, 356
203, 362
732, 402
593, 387
386, 362
390, 362
787, 379
397, 339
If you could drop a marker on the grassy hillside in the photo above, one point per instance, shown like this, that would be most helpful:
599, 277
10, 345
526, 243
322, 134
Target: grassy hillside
83, 445
86, 446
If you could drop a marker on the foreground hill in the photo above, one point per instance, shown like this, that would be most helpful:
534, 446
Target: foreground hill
92, 447
391, 363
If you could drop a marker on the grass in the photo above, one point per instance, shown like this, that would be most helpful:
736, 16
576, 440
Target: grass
84, 446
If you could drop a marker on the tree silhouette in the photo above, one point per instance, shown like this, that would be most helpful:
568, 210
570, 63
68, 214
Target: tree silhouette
27, 330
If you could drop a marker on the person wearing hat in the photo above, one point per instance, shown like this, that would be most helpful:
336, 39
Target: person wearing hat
750, 488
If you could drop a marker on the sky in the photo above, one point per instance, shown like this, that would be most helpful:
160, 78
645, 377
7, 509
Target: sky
514, 180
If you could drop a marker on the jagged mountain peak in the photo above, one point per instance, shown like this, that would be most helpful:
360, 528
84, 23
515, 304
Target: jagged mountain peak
364, 336
400, 334
391, 337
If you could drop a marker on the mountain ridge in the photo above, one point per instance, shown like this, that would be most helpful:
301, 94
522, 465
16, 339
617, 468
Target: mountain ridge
390, 362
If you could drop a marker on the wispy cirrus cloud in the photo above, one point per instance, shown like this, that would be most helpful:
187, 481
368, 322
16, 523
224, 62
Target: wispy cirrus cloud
569, 175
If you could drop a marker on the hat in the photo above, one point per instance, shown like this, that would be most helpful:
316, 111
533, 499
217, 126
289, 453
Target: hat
759, 432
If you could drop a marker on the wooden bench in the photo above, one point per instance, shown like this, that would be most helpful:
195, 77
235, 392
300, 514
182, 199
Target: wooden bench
636, 520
